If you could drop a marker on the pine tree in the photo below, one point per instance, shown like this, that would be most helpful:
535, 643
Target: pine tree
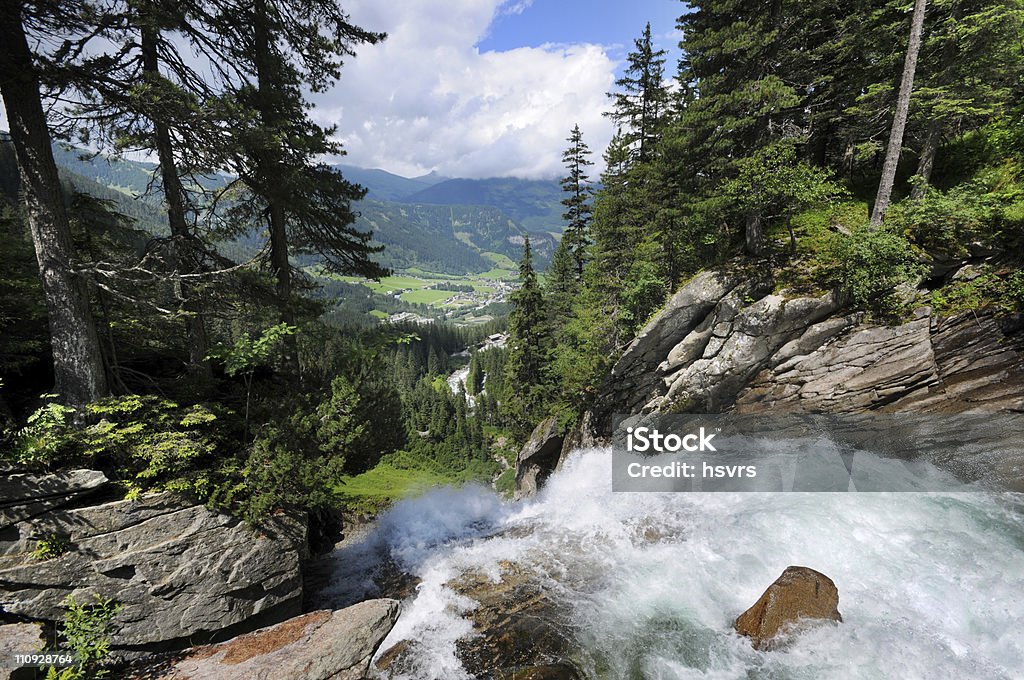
143, 96
528, 346
641, 101
77, 360
578, 191
296, 45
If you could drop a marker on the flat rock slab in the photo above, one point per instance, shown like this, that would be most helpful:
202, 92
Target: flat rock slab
26, 495
179, 570
800, 594
321, 645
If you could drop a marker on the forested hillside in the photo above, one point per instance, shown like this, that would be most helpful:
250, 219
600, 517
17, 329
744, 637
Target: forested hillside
862, 148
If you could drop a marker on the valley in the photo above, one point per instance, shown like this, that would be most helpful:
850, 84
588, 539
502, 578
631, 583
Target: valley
450, 243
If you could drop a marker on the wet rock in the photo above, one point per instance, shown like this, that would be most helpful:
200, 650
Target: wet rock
559, 671
181, 572
539, 457
518, 624
323, 645
799, 595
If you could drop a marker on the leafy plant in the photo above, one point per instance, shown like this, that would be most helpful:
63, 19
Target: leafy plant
86, 630
51, 547
247, 354
44, 439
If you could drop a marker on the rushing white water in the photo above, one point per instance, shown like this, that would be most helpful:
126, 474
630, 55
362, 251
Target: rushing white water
931, 585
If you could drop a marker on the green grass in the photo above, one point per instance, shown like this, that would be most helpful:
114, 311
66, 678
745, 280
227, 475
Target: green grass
500, 261
402, 475
383, 485
378, 314
427, 297
498, 274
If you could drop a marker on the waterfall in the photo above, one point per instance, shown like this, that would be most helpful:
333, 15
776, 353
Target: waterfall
930, 583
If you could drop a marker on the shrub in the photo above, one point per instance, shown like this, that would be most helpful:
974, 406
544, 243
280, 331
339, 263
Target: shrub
86, 631
946, 221
51, 547
869, 265
45, 438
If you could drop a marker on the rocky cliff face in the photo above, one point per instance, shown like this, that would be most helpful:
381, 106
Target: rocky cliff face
181, 572
726, 342
723, 343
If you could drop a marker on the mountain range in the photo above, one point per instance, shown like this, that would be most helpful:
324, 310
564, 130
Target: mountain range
432, 223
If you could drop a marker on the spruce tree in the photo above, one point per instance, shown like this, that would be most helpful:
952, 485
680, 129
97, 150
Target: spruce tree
641, 101
529, 346
294, 46
578, 190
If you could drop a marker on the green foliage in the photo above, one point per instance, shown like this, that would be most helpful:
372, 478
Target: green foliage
529, 347
248, 353
946, 222
869, 265
86, 631
1000, 291
154, 443
44, 438
51, 547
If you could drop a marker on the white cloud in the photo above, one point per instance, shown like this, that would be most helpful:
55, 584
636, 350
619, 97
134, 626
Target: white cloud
428, 99
513, 7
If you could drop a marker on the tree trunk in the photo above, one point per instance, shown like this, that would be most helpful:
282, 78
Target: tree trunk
77, 359
174, 195
269, 162
899, 123
755, 234
927, 161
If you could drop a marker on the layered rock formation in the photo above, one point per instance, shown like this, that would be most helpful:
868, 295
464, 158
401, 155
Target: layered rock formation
723, 343
726, 342
181, 572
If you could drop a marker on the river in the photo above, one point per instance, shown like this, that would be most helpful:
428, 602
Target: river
930, 584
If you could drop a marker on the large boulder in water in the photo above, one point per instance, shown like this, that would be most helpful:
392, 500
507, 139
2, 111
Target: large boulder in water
800, 594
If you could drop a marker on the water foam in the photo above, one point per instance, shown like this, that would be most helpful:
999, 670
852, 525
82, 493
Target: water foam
930, 584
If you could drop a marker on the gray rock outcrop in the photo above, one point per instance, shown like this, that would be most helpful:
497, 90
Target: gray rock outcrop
723, 343
181, 572
726, 342
539, 457
321, 645
18, 638
23, 495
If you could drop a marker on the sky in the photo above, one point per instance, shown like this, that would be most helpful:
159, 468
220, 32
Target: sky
484, 88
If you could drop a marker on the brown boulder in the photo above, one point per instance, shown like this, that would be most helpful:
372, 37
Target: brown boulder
321, 645
800, 594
